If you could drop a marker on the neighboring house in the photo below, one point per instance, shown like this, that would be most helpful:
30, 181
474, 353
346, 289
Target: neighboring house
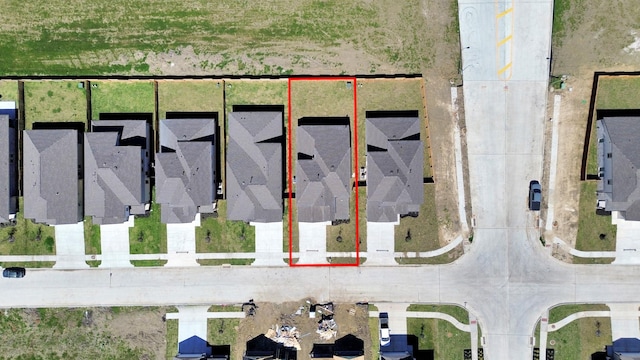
116, 167
394, 167
400, 348
263, 348
323, 169
52, 174
254, 174
347, 347
623, 349
186, 169
619, 165
196, 348
8, 168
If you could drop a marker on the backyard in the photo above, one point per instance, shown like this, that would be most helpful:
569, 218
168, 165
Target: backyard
54, 101
115, 96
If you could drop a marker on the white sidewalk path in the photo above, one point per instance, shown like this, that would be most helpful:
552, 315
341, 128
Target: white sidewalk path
70, 246
114, 245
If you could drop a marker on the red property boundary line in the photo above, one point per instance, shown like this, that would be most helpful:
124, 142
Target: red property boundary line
290, 176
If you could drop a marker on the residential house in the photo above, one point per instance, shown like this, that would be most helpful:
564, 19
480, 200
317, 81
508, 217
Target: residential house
401, 347
323, 169
254, 175
9, 166
52, 174
623, 349
263, 348
186, 169
117, 182
347, 347
196, 348
394, 167
619, 164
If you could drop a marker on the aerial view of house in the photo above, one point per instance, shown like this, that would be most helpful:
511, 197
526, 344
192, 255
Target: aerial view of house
185, 169
394, 167
116, 166
323, 169
254, 166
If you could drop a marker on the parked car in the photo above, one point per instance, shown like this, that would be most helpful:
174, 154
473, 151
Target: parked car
14, 272
535, 195
383, 321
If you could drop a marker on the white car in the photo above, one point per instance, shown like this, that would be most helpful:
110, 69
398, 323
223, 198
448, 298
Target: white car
383, 321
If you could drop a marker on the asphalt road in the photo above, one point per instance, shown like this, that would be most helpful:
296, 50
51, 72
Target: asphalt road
506, 280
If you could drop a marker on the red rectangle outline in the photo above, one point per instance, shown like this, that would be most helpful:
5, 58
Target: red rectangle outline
290, 175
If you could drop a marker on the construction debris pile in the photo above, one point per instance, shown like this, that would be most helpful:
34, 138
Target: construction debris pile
285, 335
326, 326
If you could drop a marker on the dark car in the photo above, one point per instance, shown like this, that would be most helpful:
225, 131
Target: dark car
13, 272
535, 195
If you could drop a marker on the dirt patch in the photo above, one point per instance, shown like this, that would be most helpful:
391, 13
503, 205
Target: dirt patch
350, 319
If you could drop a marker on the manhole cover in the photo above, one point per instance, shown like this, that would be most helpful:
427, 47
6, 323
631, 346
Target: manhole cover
552, 342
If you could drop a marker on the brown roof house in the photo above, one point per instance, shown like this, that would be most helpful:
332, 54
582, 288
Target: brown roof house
618, 134
185, 169
52, 175
116, 168
254, 166
394, 166
9, 168
323, 169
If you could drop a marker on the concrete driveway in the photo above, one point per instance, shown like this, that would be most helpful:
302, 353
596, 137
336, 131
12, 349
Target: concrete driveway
114, 243
381, 243
313, 242
181, 243
70, 252
627, 240
269, 240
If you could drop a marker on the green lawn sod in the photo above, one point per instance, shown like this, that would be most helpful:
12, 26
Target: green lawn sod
591, 226
122, 96
578, 339
148, 236
190, 96
92, 244
420, 233
217, 234
447, 342
54, 101
27, 237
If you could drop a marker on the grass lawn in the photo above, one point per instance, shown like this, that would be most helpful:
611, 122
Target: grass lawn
9, 90
375, 338
347, 232
390, 94
218, 262
148, 236
592, 225
578, 339
420, 233
224, 332
446, 341
91, 239
191, 96
172, 338
457, 312
217, 234
567, 14
446, 258
618, 92
54, 101
118, 96
27, 238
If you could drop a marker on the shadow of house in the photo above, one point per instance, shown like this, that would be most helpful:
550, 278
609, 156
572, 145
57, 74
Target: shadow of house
624, 349
347, 347
197, 348
263, 348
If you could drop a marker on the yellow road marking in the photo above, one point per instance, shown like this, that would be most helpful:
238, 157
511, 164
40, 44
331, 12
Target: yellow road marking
505, 68
504, 12
504, 41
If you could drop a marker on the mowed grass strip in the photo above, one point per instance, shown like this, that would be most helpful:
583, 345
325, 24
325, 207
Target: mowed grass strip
578, 339
122, 96
219, 235
595, 232
92, 244
54, 101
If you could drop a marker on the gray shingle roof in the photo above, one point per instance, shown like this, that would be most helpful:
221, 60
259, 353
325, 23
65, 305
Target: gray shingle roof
394, 168
323, 170
52, 192
620, 171
185, 169
254, 166
114, 176
8, 168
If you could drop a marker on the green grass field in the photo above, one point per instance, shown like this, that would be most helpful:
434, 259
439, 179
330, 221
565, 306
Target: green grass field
190, 96
27, 238
446, 341
9, 90
592, 225
578, 339
217, 234
148, 236
55, 101
122, 96
420, 233
172, 338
